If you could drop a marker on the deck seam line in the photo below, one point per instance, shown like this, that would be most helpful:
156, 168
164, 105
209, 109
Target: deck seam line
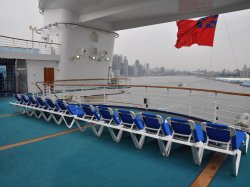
9, 115
208, 173
18, 144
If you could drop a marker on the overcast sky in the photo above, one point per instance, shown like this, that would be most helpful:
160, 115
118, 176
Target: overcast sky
152, 44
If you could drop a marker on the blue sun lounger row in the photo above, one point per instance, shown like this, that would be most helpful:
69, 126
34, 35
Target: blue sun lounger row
205, 136
58, 110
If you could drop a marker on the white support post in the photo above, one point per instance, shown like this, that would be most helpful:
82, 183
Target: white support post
104, 96
215, 108
190, 104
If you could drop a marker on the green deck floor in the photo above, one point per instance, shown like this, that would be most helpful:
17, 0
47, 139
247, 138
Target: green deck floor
81, 159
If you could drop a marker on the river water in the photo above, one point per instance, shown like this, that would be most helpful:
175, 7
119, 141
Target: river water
213, 107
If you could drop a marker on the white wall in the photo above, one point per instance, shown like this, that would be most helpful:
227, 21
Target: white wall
72, 39
76, 38
35, 72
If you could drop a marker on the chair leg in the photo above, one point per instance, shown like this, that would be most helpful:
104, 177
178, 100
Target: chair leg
236, 162
115, 137
97, 132
197, 154
82, 129
59, 121
46, 118
246, 144
138, 144
165, 148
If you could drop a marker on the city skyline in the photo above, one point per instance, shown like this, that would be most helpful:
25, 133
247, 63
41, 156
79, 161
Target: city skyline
122, 68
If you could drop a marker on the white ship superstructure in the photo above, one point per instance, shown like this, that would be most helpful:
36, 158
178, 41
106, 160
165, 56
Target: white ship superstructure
77, 39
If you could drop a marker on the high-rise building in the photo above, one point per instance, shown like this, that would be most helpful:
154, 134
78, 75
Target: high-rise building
245, 73
125, 67
136, 68
117, 65
147, 69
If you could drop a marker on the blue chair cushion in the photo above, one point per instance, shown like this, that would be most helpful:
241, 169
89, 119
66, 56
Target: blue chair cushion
166, 129
75, 110
180, 126
50, 102
105, 112
218, 132
116, 118
126, 116
199, 135
87, 109
60, 104
150, 120
138, 122
238, 139
97, 115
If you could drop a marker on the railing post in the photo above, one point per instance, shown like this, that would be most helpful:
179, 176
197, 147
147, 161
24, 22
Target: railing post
13, 43
146, 98
215, 108
104, 95
27, 46
190, 104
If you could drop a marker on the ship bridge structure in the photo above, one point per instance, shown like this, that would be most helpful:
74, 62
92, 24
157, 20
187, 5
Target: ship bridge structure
86, 29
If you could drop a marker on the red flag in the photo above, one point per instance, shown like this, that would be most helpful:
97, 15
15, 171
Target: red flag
199, 32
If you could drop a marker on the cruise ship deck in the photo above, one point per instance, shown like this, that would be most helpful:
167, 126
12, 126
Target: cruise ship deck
39, 153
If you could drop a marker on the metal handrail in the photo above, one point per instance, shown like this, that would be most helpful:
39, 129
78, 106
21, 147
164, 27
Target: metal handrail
153, 86
12, 44
21, 39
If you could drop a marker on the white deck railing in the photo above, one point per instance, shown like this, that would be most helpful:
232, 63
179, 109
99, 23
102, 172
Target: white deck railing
210, 105
17, 45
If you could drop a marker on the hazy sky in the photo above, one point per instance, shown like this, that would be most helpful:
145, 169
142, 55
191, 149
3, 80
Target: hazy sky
152, 44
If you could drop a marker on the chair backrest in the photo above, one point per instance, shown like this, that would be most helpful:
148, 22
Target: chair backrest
18, 98
50, 102
180, 126
25, 99
41, 102
88, 109
61, 105
151, 120
218, 132
105, 112
108, 114
32, 100
130, 118
91, 111
75, 110
126, 116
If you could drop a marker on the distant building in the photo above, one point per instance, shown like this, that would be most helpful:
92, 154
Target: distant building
245, 73
162, 71
125, 67
147, 69
117, 65
136, 68
131, 71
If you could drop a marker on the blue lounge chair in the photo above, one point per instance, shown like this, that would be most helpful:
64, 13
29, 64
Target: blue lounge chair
131, 122
147, 125
225, 139
181, 131
77, 112
111, 120
90, 112
25, 100
33, 101
18, 99
42, 103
